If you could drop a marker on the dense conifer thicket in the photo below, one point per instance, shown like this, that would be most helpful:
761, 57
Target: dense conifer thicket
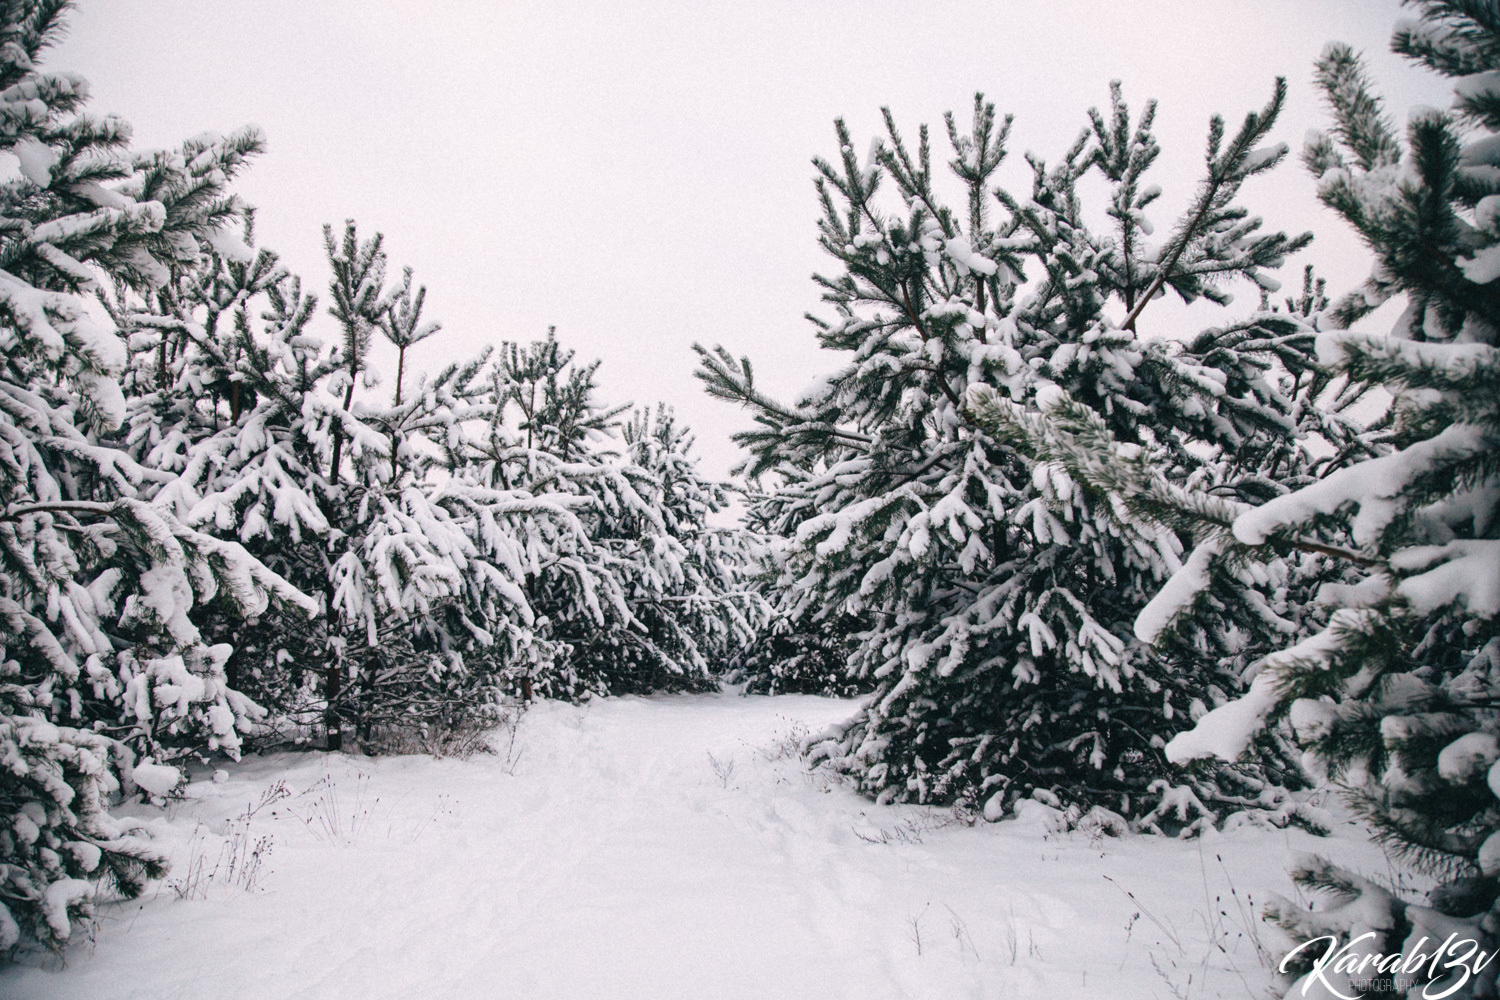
1068, 556
472, 533
219, 529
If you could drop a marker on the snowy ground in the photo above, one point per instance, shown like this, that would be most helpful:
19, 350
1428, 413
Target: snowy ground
660, 848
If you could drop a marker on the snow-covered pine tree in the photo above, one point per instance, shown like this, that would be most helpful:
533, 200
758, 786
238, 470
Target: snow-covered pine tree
196, 411
998, 595
654, 597
419, 567
1395, 700
809, 654
543, 433
705, 609
99, 658
355, 287
472, 638
1239, 604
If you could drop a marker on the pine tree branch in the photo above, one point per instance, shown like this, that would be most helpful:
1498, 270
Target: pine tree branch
59, 507
1222, 170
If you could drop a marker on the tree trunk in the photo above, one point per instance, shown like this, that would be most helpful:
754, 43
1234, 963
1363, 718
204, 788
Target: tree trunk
338, 434
331, 714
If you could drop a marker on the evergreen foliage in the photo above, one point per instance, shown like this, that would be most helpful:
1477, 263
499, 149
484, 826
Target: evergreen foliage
101, 663
1394, 699
810, 656
215, 528
652, 597
420, 567
994, 592
471, 537
806, 654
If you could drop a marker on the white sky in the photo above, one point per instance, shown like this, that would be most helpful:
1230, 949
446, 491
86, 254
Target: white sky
637, 173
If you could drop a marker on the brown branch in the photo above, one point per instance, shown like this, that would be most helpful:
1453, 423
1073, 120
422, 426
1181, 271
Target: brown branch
922, 332
1166, 268
1300, 544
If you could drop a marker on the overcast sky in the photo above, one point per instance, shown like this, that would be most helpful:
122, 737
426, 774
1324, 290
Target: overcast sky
637, 173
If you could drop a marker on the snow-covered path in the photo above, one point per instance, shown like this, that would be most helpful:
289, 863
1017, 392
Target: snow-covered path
662, 848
